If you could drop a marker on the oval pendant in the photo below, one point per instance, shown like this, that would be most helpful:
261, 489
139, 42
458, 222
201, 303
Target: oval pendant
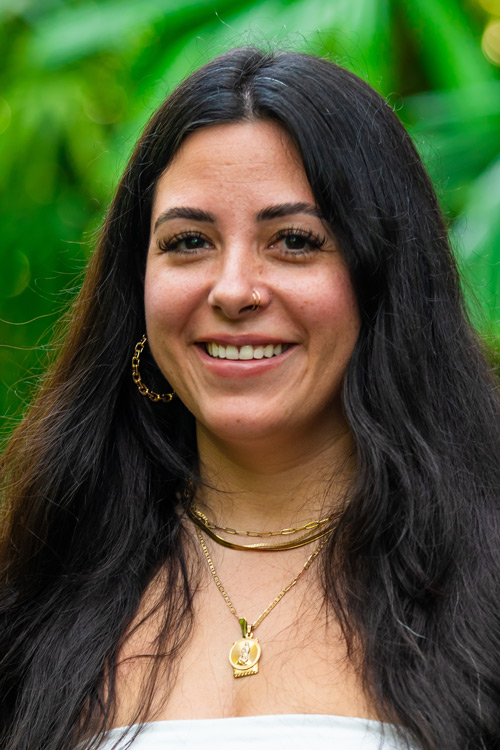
244, 656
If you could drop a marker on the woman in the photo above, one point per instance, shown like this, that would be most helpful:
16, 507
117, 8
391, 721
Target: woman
308, 377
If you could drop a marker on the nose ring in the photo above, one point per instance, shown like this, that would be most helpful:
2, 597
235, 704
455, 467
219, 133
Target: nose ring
256, 300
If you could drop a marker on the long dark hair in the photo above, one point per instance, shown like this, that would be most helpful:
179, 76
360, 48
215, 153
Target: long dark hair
93, 474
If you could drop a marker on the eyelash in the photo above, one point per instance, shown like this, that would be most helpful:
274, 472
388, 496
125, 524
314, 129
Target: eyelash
172, 245
314, 240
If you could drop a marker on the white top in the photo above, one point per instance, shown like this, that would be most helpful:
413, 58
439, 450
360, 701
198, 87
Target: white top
290, 731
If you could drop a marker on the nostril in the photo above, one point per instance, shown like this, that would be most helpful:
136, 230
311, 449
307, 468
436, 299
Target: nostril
234, 303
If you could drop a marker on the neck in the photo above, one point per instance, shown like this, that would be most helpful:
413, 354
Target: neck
271, 486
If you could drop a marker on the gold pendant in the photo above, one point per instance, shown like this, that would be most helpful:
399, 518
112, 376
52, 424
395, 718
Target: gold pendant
245, 653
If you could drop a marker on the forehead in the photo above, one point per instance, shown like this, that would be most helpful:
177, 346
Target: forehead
229, 163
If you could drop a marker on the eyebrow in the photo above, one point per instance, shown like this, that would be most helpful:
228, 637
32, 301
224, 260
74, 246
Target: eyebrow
266, 214
184, 212
286, 209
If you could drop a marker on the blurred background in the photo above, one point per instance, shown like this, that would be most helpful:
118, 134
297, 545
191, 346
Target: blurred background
79, 79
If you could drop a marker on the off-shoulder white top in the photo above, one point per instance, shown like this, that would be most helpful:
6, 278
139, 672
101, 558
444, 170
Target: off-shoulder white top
281, 732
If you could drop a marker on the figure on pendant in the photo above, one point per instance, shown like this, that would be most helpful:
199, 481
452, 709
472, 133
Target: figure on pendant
245, 653
244, 657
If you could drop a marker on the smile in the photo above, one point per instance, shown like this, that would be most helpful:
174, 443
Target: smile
246, 352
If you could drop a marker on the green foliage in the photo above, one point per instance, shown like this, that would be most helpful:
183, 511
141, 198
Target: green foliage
80, 78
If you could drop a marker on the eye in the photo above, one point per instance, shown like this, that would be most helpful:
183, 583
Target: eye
297, 242
187, 243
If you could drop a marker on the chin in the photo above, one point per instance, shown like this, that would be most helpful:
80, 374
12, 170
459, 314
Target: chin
243, 428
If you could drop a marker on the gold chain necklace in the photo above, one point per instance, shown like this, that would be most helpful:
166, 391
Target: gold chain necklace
201, 521
245, 653
309, 526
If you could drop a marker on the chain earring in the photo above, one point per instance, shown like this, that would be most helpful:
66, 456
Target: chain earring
136, 376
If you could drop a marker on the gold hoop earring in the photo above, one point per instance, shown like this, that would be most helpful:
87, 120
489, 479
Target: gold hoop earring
136, 376
256, 300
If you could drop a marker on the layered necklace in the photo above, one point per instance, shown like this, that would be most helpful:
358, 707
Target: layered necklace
245, 652
313, 530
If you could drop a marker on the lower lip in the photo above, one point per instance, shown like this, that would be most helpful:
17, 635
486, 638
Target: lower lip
242, 368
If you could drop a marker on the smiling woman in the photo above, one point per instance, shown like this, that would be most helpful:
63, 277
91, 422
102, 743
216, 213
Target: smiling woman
309, 427
273, 373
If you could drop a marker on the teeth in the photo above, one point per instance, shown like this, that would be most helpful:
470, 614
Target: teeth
245, 352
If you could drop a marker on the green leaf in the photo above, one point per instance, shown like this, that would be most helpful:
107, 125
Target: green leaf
74, 33
476, 238
15, 274
443, 35
457, 133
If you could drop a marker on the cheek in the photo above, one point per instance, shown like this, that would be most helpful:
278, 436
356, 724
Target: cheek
165, 303
344, 309
158, 305
330, 306
164, 321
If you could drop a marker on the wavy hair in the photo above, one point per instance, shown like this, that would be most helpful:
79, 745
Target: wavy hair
93, 473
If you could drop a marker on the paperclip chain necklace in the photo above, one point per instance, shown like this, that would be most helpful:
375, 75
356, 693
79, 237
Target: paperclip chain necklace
309, 526
245, 653
315, 530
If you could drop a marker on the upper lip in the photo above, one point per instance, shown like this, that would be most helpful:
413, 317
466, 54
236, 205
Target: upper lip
244, 339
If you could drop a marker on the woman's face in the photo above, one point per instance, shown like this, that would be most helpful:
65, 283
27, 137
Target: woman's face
234, 214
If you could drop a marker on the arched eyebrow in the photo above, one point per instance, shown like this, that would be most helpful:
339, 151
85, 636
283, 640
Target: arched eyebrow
278, 211
287, 209
184, 212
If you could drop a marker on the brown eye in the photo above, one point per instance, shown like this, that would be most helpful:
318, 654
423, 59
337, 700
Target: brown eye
298, 242
192, 243
295, 242
187, 243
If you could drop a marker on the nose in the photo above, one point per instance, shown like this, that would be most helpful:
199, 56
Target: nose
238, 289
